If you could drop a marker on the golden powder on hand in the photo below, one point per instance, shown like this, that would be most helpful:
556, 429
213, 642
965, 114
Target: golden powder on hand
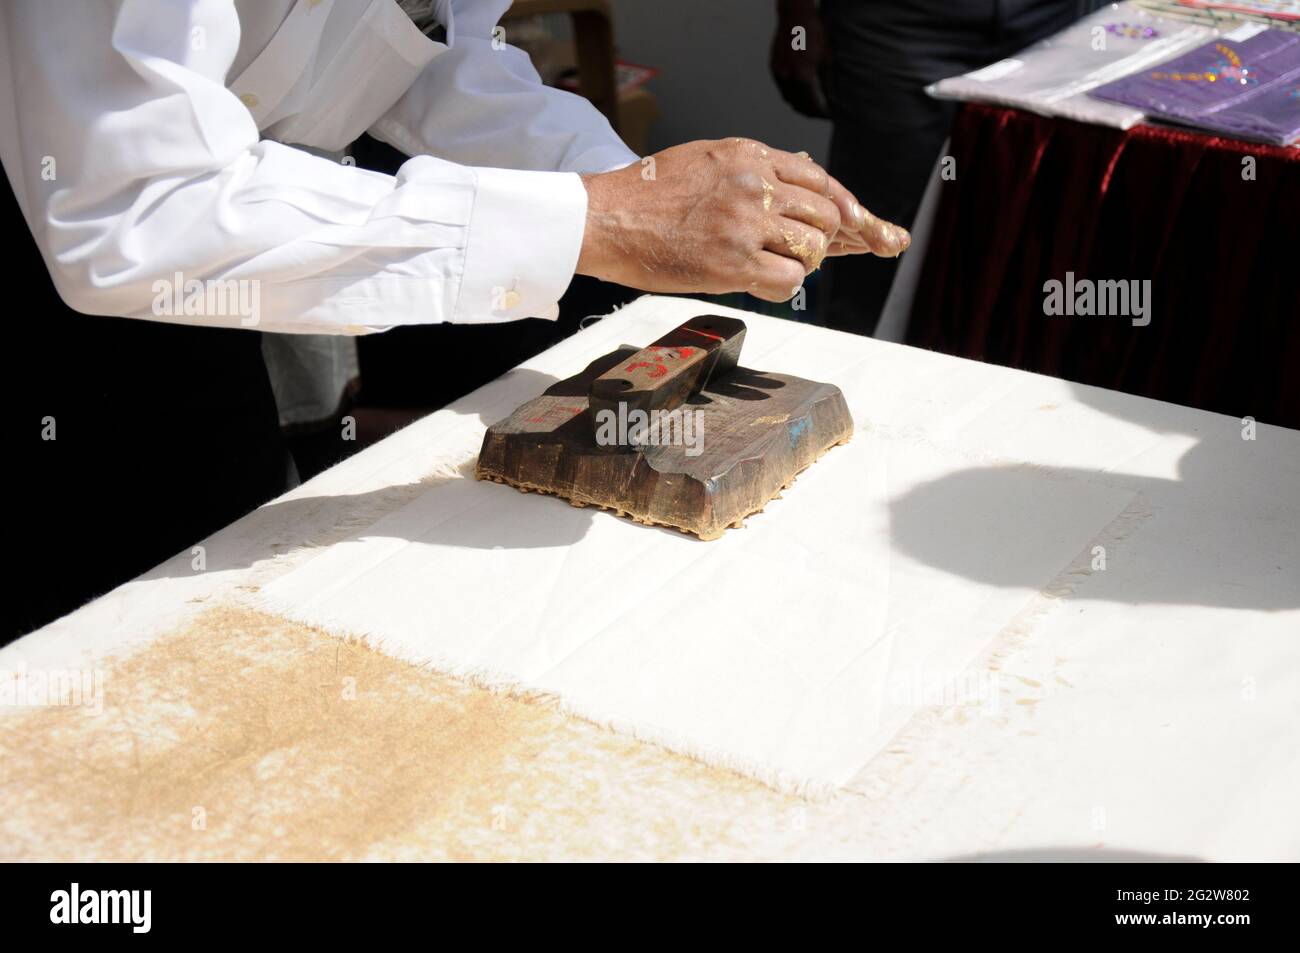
807, 248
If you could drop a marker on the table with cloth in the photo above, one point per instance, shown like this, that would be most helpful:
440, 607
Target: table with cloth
1012, 617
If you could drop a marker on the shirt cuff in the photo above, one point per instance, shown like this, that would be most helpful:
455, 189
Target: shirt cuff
525, 235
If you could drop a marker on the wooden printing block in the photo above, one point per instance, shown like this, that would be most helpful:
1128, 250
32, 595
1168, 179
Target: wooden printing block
729, 438
677, 366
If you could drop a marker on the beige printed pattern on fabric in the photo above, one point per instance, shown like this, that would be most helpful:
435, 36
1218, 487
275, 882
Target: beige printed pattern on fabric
246, 718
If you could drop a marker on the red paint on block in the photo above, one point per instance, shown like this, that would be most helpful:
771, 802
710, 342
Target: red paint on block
652, 370
704, 334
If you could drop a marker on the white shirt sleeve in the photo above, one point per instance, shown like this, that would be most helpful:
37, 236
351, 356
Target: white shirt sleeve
143, 178
481, 103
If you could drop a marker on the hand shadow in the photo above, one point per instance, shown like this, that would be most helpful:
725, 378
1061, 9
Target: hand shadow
1226, 532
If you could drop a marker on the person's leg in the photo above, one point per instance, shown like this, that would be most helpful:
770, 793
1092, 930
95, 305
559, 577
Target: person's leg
888, 132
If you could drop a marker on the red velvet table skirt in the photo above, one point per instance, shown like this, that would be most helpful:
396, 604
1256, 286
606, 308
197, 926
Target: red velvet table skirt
1035, 198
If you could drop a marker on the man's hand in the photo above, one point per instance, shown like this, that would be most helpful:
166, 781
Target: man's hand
726, 215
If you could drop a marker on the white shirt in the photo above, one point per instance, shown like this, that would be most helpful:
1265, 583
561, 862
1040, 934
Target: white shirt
154, 140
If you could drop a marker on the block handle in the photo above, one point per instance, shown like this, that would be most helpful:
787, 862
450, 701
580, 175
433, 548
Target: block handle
670, 371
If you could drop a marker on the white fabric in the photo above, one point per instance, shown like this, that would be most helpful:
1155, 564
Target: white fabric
147, 139
965, 510
1053, 76
1150, 707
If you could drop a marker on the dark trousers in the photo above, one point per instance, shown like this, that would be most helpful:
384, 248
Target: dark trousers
162, 434
888, 132
395, 365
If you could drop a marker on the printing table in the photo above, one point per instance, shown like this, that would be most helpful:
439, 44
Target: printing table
1139, 698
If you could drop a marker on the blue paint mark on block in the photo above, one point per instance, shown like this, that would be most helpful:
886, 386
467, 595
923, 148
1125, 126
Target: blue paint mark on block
798, 428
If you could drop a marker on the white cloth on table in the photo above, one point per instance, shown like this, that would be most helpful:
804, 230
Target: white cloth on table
1147, 707
795, 648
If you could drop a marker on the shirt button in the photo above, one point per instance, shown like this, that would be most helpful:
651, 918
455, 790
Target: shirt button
510, 300
249, 100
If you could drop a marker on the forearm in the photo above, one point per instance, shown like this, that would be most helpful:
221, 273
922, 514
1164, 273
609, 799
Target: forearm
139, 172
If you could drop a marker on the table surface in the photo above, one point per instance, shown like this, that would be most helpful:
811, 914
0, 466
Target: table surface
1147, 706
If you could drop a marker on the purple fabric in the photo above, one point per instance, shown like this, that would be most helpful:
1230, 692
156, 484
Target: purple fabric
1248, 88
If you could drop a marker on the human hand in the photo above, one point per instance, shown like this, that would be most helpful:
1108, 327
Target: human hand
716, 216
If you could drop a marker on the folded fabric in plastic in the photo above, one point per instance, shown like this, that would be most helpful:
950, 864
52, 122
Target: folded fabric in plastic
1282, 9
1245, 83
1053, 76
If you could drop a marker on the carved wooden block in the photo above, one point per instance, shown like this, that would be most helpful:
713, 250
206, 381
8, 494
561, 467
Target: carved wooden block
708, 463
